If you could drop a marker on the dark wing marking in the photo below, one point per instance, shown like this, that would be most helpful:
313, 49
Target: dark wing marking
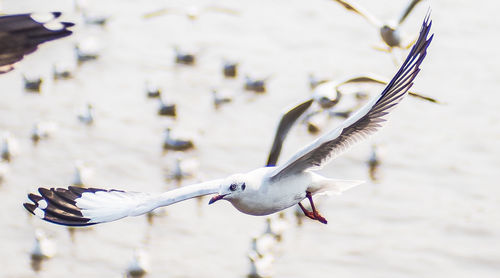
77, 206
364, 122
58, 205
20, 35
286, 123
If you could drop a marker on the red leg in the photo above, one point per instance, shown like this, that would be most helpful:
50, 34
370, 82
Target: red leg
315, 213
306, 212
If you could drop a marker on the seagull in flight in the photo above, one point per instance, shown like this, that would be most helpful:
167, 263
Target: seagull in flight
262, 191
389, 31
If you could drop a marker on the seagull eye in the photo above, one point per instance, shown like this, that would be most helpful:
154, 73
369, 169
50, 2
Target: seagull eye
232, 187
243, 186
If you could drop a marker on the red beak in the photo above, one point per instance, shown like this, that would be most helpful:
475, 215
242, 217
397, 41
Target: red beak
215, 199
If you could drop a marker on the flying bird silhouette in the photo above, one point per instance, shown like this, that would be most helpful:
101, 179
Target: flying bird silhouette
389, 31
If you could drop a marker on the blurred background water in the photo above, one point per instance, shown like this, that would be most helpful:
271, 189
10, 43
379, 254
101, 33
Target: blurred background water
434, 212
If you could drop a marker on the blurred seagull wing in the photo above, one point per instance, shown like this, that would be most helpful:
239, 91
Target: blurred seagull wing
373, 78
357, 9
160, 12
77, 206
286, 123
363, 123
221, 10
407, 10
366, 78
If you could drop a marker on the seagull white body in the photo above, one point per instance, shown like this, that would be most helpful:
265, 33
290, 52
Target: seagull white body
264, 196
261, 191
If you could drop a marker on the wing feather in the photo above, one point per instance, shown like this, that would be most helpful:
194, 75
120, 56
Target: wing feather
366, 121
20, 34
286, 123
76, 206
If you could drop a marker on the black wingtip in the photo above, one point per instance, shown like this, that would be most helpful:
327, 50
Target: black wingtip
30, 207
56, 14
59, 206
24, 32
34, 198
428, 15
67, 24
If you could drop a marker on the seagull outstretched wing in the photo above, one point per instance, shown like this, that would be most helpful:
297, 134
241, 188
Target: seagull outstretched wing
20, 34
366, 121
77, 206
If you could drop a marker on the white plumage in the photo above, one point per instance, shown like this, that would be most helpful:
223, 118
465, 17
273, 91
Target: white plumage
262, 191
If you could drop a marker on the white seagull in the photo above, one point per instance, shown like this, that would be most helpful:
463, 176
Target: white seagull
262, 191
389, 31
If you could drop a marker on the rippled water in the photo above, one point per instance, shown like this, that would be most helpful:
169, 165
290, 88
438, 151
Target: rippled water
434, 213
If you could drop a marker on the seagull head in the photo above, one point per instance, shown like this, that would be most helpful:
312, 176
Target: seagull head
230, 189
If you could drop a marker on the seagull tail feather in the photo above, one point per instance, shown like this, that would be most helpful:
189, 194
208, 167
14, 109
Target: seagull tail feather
336, 186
